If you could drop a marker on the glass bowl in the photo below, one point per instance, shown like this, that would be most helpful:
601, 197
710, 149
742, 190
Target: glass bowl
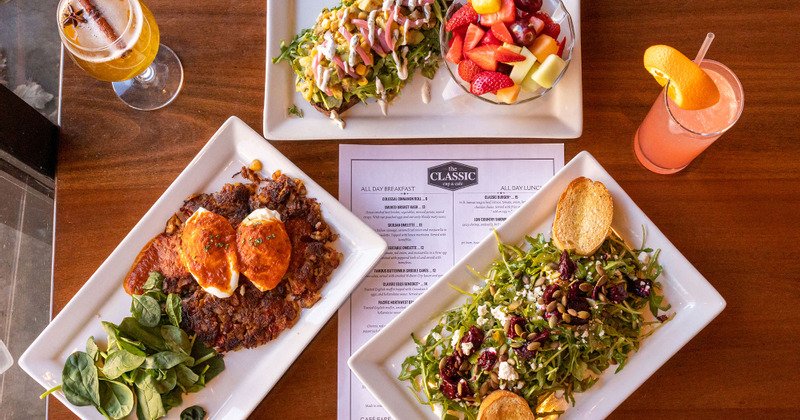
557, 12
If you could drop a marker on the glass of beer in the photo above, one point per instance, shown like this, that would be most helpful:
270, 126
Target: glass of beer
117, 41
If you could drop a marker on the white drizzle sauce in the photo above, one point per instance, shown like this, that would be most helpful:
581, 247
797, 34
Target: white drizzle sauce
387, 4
353, 45
426, 92
326, 77
402, 68
344, 16
328, 48
405, 31
371, 26
335, 117
381, 96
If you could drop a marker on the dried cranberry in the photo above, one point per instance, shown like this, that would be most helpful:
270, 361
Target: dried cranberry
616, 293
487, 360
449, 389
465, 389
523, 352
662, 318
449, 371
566, 266
543, 335
574, 290
512, 323
640, 287
578, 304
474, 336
548, 293
556, 314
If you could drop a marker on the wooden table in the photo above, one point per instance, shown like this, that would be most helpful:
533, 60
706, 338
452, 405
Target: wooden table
733, 212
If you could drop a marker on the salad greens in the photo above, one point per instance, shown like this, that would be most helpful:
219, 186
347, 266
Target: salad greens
149, 362
508, 335
422, 43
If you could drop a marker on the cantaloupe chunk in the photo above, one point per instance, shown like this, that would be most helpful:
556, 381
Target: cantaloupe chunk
508, 95
543, 46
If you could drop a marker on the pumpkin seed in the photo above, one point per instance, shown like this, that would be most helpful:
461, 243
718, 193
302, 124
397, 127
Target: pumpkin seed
561, 308
460, 388
540, 312
526, 279
572, 312
517, 274
484, 389
602, 297
511, 362
503, 357
603, 280
503, 350
585, 287
599, 267
516, 344
514, 305
518, 329
539, 282
567, 318
552, 306
534, 345
583, 315
524, 335
557, 294
564, 300
552, 322
540, 301
492, 290
443, 363
493, 377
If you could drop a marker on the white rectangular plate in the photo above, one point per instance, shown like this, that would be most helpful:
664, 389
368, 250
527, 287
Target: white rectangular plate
557, 115
693, 299
249, 374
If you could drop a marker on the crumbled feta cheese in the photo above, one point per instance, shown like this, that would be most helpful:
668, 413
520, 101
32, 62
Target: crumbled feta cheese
456, 337
602, 333
436, 336
476, 288
466, 348
482, 321
498, 314
585, 333
483, 310
507, 372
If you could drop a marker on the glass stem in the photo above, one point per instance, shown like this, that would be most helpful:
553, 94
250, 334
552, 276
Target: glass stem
147, 75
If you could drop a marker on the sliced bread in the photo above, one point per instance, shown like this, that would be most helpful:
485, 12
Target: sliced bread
505, 405
583, 217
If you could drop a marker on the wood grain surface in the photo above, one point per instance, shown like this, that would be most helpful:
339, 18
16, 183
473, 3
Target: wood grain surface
733, 212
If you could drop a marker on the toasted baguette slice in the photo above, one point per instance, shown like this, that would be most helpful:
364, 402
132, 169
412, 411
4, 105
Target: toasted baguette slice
339, 109
583, 217
505, 405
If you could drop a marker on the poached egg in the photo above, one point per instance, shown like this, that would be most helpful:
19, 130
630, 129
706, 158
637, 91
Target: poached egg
208, 250
264, 248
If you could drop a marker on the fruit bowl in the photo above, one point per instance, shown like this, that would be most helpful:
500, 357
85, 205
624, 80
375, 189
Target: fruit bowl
526, 91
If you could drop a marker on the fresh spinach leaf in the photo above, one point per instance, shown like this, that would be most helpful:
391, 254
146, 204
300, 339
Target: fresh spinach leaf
154, 282
79, 380
166, 383
172, 399
91, 349
121, 361
167, 360
194, 412
149, 405
146, 310
186, 377
209, 363
173, 308
113, 333
176, 339
116, 399
147, 336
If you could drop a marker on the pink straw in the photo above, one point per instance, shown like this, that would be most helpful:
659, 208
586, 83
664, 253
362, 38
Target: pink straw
704, 48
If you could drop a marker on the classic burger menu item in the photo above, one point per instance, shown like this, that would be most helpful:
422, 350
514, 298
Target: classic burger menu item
432, 205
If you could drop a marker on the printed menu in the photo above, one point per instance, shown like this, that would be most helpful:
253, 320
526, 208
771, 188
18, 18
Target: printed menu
432, 205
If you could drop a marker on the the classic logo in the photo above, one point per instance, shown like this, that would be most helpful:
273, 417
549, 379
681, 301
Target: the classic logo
452, 176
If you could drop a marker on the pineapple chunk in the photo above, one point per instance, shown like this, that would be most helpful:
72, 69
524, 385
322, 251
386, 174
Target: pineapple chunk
521, 68
511, 47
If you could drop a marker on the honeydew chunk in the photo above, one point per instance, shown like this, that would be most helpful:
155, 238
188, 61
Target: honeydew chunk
528, 85
511, 47
521, 68
547, 74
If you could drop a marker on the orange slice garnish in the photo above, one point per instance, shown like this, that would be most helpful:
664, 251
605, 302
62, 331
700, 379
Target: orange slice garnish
689, 86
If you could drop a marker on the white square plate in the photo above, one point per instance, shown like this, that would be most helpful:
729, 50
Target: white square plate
693, 299
557, 115
249, 374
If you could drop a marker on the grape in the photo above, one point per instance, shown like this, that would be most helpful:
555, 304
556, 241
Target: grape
530, 6
522, 33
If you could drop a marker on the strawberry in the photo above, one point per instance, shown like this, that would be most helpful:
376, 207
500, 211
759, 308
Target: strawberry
537, 24
461, 31
490, 39
552, 29
543, 16
507, 14
500, 31
468, 70
561, 47
474, 36
462, 17
490, 81
504, 55
483, 56
455, 54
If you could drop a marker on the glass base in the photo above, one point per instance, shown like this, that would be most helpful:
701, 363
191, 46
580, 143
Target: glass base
157, 86
652, 167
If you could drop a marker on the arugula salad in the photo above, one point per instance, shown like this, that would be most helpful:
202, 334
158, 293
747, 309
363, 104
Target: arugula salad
544, 325
365, 49
149, 362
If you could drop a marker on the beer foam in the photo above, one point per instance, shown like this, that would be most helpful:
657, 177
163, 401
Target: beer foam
88, 42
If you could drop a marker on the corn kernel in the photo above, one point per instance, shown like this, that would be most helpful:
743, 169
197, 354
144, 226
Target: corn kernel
362, 81
361, 69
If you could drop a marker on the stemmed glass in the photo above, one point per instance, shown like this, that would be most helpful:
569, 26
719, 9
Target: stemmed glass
118, 41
